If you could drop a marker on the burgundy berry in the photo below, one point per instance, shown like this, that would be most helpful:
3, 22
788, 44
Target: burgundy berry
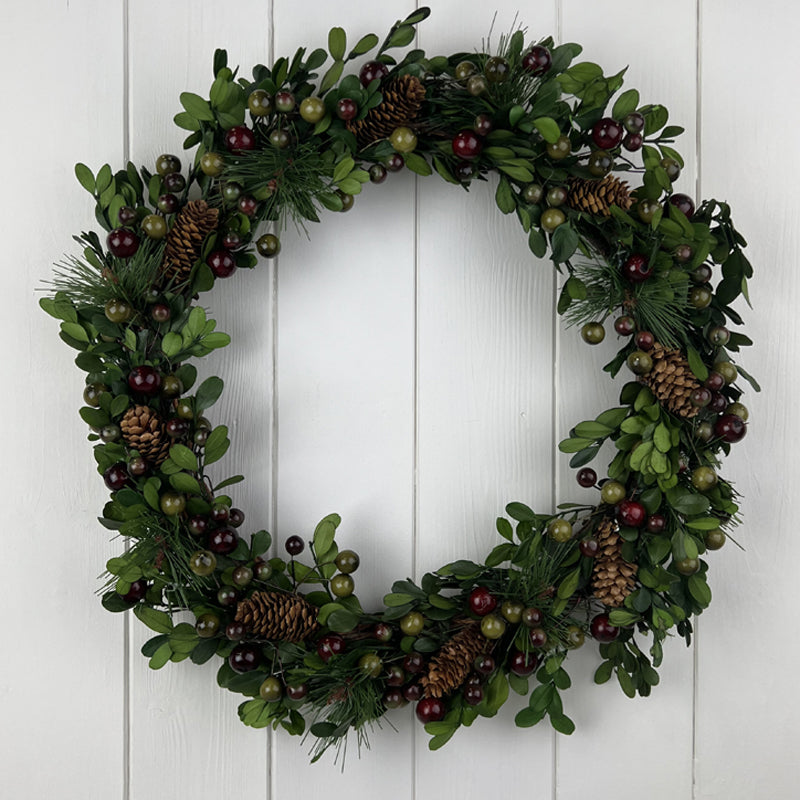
372, 71
602, 630
718, 402
683, 203
631, 514
383, 632
294, 545
633, 142
236, 517
247, 205
220, 513
116, 476
244, 658
174, 182
296, 691
177, 427
122, 242
234, 631
137, 592
645, 340
395, 162
144, 380
231, 240
412, 692
586, 477
484, 665
714, 381
481, 601
377, 173
197, 525
467, 145
240, 138
223, 541
329, 646
637, 268
624, 325
395, 675
228, 596
346, 109
430, 709
656, 523
589, 547
473, 695
523, 664
538, 60
538, 637
730, 428
483, 124
413, 663
393, 698
607, 133
126, 215
222, 263
464, 171
167, 203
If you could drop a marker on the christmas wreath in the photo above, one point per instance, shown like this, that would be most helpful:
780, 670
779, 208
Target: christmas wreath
558, 138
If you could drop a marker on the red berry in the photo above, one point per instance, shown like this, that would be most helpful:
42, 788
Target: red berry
607, 133
220, 513
730, 428
222, 263
412, 692
484, 665
481, 601
240, 138
633, 142
538, 60
223, 541
177, 427
413, 663
122, 242
467, 145
383, 632
167, 203
346, 108
330, 646
137, 592
247, 205
372, 71
589, 547
234, 631
244, 658
430, 709
602, 629
197, 525
236, 517
144, 380
631, 514
393, 698
523, 664
473, 695
538, 637
395, 162
395, 675
294, 545
587, 477
464, 171
637, 268
645, 340
116, 476
625, 325
714, 381
296, 691
656, 523
483, 124
718, 402
231, 240
683, 203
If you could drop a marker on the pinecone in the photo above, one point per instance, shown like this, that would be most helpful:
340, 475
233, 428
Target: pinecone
596, 197
612, 577
672, 381
402, 100
453, 663
144, 430
185, 240
278, 616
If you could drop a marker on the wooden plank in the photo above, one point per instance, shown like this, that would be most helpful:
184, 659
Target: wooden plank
179, 717
62, 672
748, 706
626, 736
485, 405
345, 403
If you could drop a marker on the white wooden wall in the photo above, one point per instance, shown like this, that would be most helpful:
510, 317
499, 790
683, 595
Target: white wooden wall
404, 369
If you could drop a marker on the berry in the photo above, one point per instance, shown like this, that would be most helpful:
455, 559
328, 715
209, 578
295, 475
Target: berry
483, 124
118, 311
586, 477
473, 695
523, 664
739, 410
227, 596
552, 218
477, 85
383, 632
231, 240
589, 547
646, 209
284, 102
235, 517
347, 201
575, 636
160, 312
412, 692
656, 523
312, 109
220, 513
496, 69
166, 164
683, 203
538, 60
728, 371
212, 164
467, 145
560, 530
171, 386
637, 268
138, 591
167, 203
624, 325
531, 617
719, 336
482, 601
672, 168
122, 243
280, 138
155, 226
403, 139
533, 193
718, 402
395, 675
633, 142
700, 297
172, 504
296, 691
202, 562
231, 191
342, 585
222, 263
329, 646
639, 363
538, 637
176, 428
259, 103
730, 428
371, 665
484, 665
223, 541
430, 709
372, 71
242, 575
557, 196
612, 492
346, 109
377, 173
600, 163
393, 698
116, 476
347, 561
633, 122
593, 333
715, 539
197, 525
602, 630
113, 433
144, 380
414, 663
263, 570
463, 70
645, 340
412, 623
704, 479
687, 566
395, 162
294, 545
126, 215
244, 658
607, 133
174, 182
270, 690
714, 381
512, 611
700, 398
234, 631
631, 514
207, 625
268, 245
560, 148
493, 626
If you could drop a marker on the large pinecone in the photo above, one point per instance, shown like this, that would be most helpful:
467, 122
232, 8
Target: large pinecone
185, 240
144, 430
403, 96
453, 663
597, 197
278, 616
672, 381
612, 577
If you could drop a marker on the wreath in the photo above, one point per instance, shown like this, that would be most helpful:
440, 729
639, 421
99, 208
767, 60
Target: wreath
291, 634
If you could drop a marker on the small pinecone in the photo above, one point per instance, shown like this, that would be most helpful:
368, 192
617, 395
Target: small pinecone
143, 430
185, 240
401, 104
672, 381
278, 616
453, 663
612, 577
597, 197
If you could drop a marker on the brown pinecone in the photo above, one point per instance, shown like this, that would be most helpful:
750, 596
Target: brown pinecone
144, 430
278, 616
403, 96
597, 197
672, 381
453, 663
185, 240
612, 577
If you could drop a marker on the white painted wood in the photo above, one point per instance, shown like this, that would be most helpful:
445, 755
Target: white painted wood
62, 671
179, 709
625, 736
748, 704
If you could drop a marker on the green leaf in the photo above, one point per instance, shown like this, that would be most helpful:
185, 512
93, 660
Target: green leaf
76, 331
183, 457
574, 445
171, 344
564, 242
688, 503
548, 127
592, 430
628, 101
183, 119
157, 621
527, 718
85, 177
496, 691
661, 438
324, 534
537, 243
232, 481
696, 364
364, 45
603, 673
183, 482
216, 445
416, 163
395, 599
197, 106
504, 196
569, 585
699, 589
562, 723
337, 43
260, 542
332, 76
403, 36
161, 656
207, 394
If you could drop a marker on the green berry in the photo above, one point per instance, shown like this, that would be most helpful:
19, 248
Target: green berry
207, 625
593, 333
552, 218
559, 530
260, 103
403, 139
512, 611
166, 164
463, 70
371, 665
728, 371
312, 109
600, 163
557, 196
612, 492
497, 69
118, 311
412, 623
639, 362
91, 394
270, 690
172, 504
715, 539
342, 585
704, 479
533, 193
212, 164
155, 226
560, 148
347, 561
492, 626
202, 562
268, 245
